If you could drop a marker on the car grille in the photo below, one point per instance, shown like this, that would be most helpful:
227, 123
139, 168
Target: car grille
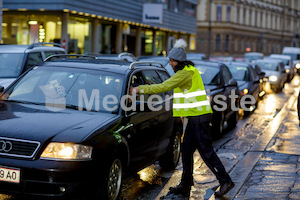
18, 147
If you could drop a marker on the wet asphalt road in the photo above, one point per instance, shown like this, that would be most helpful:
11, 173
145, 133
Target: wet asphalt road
245, 152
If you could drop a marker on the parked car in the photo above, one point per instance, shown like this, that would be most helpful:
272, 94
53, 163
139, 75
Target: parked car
288, 65
262, 78
218, 82
295, 53
248, 82
16, 59
252, 56
65, 130
274, 72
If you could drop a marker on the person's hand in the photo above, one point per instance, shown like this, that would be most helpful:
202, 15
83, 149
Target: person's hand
134, 90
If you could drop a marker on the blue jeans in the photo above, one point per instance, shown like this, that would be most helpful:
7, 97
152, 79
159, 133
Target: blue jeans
197, 136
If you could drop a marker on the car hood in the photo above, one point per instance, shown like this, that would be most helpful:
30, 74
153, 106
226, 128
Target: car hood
269, 73
6, 81
37, 123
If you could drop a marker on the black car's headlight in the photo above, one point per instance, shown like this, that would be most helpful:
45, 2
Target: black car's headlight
67, 151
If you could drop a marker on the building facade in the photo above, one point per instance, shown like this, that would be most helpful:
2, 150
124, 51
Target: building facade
142, 27
233, 27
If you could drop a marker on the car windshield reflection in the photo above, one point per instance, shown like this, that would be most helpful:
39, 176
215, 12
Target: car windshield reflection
84, 90
209, 75
10, 64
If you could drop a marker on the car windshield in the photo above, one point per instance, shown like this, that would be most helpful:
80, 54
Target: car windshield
239, 73
209, 75
62, 88
294, 56
10, 64
268, 66
252, 56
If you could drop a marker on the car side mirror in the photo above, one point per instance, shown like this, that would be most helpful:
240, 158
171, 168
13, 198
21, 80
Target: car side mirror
262, 73
1, 89
232, 82
256, 81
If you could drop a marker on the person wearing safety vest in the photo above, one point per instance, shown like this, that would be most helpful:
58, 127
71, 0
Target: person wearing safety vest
190, 101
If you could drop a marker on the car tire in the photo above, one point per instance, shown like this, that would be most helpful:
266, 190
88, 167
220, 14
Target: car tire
234, 119
170, 159
218, 127
110, 188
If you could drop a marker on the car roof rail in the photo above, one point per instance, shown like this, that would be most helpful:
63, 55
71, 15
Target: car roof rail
31, 46
145, 62
66, 56
125, 54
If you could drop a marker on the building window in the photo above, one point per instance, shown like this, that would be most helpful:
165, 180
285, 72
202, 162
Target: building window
218, 42
244, 16
228, 13
227, 43
237, 15
250, 17
255, 19
219, 13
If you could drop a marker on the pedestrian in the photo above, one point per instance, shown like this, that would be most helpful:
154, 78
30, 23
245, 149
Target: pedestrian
191, 103
298, 106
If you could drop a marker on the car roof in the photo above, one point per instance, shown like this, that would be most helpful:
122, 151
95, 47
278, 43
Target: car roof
14, 48
237, 63
269, 60
280, 56
253, 53
115, 66
208, 63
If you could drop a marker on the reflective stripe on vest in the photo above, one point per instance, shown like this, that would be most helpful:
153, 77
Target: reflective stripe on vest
192, 102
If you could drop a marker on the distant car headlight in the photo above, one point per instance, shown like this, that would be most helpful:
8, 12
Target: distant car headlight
273, 78
298, 65
245, 91
67, 151
287, 70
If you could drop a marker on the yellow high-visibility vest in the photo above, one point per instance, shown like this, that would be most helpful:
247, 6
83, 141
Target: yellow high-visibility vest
192, 102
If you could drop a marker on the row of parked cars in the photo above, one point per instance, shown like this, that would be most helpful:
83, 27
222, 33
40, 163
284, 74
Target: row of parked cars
67, 130
68, 127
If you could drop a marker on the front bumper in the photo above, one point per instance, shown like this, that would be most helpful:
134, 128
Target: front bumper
49, 177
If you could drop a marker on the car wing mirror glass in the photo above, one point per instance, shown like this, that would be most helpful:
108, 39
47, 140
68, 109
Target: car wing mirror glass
232, 82
1, 89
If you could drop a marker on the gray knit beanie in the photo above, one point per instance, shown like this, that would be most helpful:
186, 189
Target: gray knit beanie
178, 52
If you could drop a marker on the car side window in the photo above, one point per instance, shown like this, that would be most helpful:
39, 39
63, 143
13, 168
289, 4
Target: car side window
152, 77
34, 59
226, 74
163, 75
253, 73
50, 53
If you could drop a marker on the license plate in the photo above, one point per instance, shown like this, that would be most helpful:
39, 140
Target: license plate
9, 175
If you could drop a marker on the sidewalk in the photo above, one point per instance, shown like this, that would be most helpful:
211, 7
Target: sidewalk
276, 175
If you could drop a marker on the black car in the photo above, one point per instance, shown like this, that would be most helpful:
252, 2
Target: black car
68, 127
219, 84
248, 82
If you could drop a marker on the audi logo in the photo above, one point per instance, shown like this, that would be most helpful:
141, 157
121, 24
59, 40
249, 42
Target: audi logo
5, 146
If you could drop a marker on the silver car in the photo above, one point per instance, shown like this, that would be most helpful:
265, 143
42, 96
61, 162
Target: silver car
16, 59
288, 64
274, 72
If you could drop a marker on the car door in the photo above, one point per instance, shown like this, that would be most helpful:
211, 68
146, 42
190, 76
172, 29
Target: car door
254, 83
227, 76
165, 117
142, 139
